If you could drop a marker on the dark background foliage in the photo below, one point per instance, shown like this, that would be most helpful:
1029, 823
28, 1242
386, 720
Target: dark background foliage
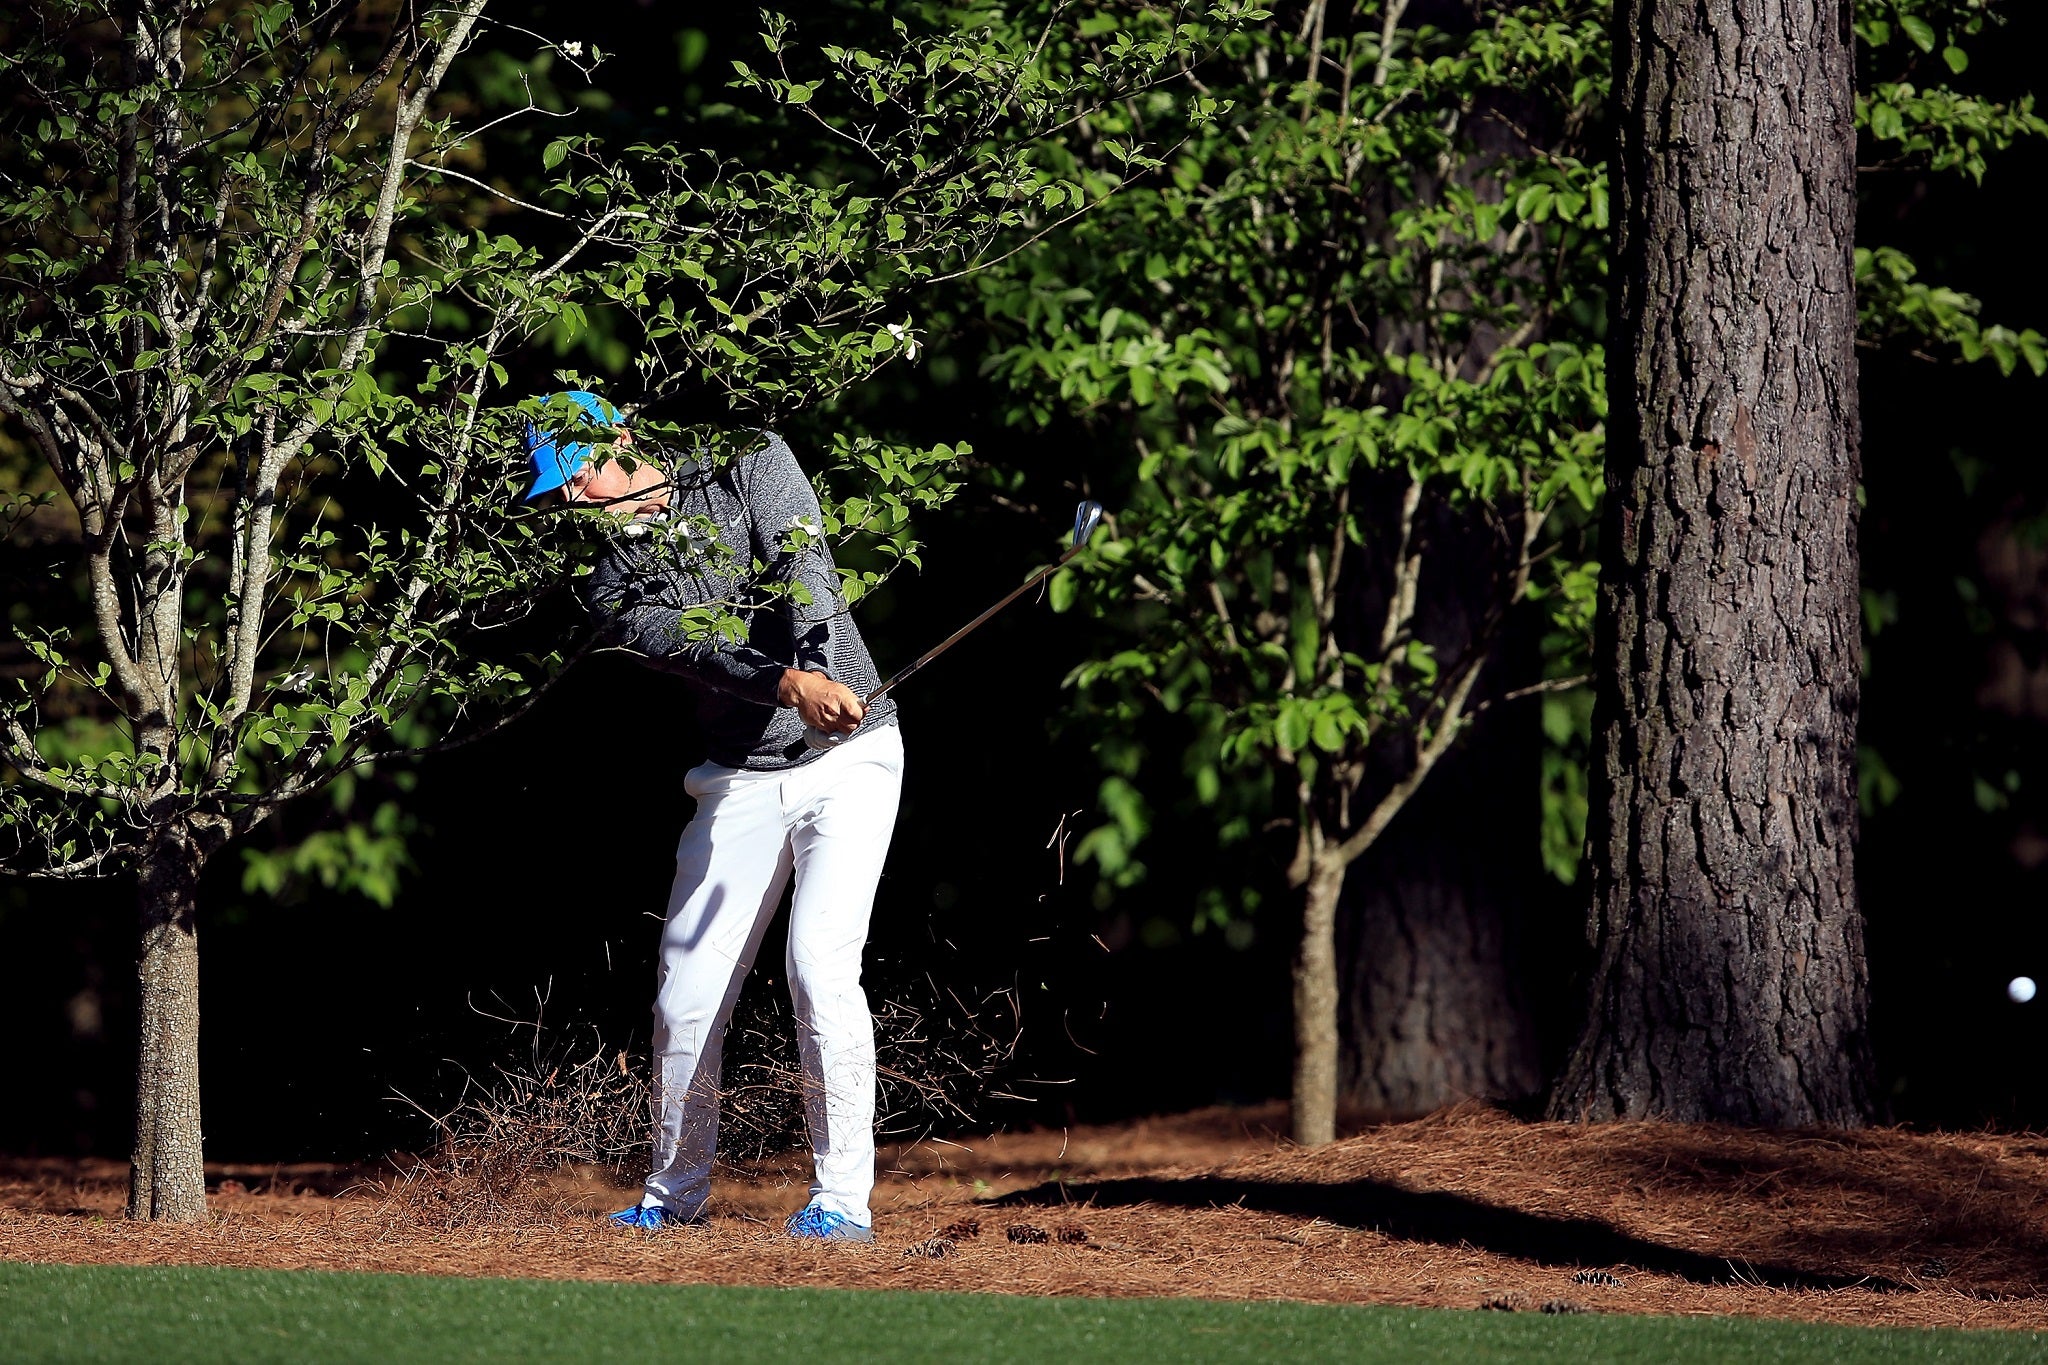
540, 859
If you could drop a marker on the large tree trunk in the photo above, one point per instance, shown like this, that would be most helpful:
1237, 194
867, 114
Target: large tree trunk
1434, 1009
1730, 981
168, 1180
1315, 1007
1431, 929
1434, 1013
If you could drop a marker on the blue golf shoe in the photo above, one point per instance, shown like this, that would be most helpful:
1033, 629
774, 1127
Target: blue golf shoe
815, 1223
652, 1216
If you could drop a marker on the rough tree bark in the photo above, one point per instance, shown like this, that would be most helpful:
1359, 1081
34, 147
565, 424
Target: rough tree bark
1730, 981
167, 1178
1434, 1008
1430, 930
1433, 1013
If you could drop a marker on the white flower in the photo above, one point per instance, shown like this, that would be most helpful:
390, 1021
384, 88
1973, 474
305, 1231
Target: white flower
572, 49
810, 526
904, 338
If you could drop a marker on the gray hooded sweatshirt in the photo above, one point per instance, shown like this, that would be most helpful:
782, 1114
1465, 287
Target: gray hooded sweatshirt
648, 574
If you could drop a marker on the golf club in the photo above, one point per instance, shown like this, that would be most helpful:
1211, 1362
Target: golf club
1086, 518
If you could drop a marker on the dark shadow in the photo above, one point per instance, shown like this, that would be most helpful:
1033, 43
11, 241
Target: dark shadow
1444, 1220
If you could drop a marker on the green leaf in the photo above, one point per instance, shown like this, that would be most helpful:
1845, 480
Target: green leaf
1534, 202
1062, 590
1919, 30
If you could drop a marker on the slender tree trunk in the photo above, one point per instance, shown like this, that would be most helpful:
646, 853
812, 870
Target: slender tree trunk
1730, 980
167, 1180
1315, 1007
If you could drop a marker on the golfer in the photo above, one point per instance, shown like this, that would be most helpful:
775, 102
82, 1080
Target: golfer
747, 538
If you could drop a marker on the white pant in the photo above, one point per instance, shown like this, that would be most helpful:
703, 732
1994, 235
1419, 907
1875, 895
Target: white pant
829, 821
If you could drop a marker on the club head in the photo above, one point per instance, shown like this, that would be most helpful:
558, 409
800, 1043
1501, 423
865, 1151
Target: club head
1086, 518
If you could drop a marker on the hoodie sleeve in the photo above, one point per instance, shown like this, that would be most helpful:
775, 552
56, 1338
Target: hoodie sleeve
626, 599
783, 507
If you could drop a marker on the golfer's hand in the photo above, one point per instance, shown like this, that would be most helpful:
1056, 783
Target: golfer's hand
823, 704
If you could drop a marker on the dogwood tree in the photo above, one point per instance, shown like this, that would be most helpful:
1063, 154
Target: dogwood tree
1357, 311
259, 295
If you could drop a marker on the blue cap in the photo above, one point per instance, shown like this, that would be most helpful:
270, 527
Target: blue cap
555, 464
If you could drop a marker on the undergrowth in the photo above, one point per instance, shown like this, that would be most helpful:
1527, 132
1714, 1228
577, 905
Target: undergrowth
568, 1098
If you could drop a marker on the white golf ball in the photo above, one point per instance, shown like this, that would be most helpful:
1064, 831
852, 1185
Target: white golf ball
2021, 989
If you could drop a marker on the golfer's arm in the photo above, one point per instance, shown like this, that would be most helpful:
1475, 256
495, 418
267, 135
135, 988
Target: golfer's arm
654, 630
789, 537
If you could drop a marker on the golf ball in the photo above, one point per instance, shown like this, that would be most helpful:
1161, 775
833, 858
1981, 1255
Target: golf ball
2021, 989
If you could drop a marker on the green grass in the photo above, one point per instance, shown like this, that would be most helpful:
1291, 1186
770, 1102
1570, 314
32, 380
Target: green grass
163, 1315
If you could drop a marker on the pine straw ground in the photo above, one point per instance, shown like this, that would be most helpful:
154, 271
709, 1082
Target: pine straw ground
1467, 1209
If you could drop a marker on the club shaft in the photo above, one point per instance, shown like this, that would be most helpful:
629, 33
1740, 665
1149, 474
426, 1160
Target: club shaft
957, 636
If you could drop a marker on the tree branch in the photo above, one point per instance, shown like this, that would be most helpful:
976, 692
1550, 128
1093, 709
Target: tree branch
1407, 572
18, 751
1385, 65
1452, 718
